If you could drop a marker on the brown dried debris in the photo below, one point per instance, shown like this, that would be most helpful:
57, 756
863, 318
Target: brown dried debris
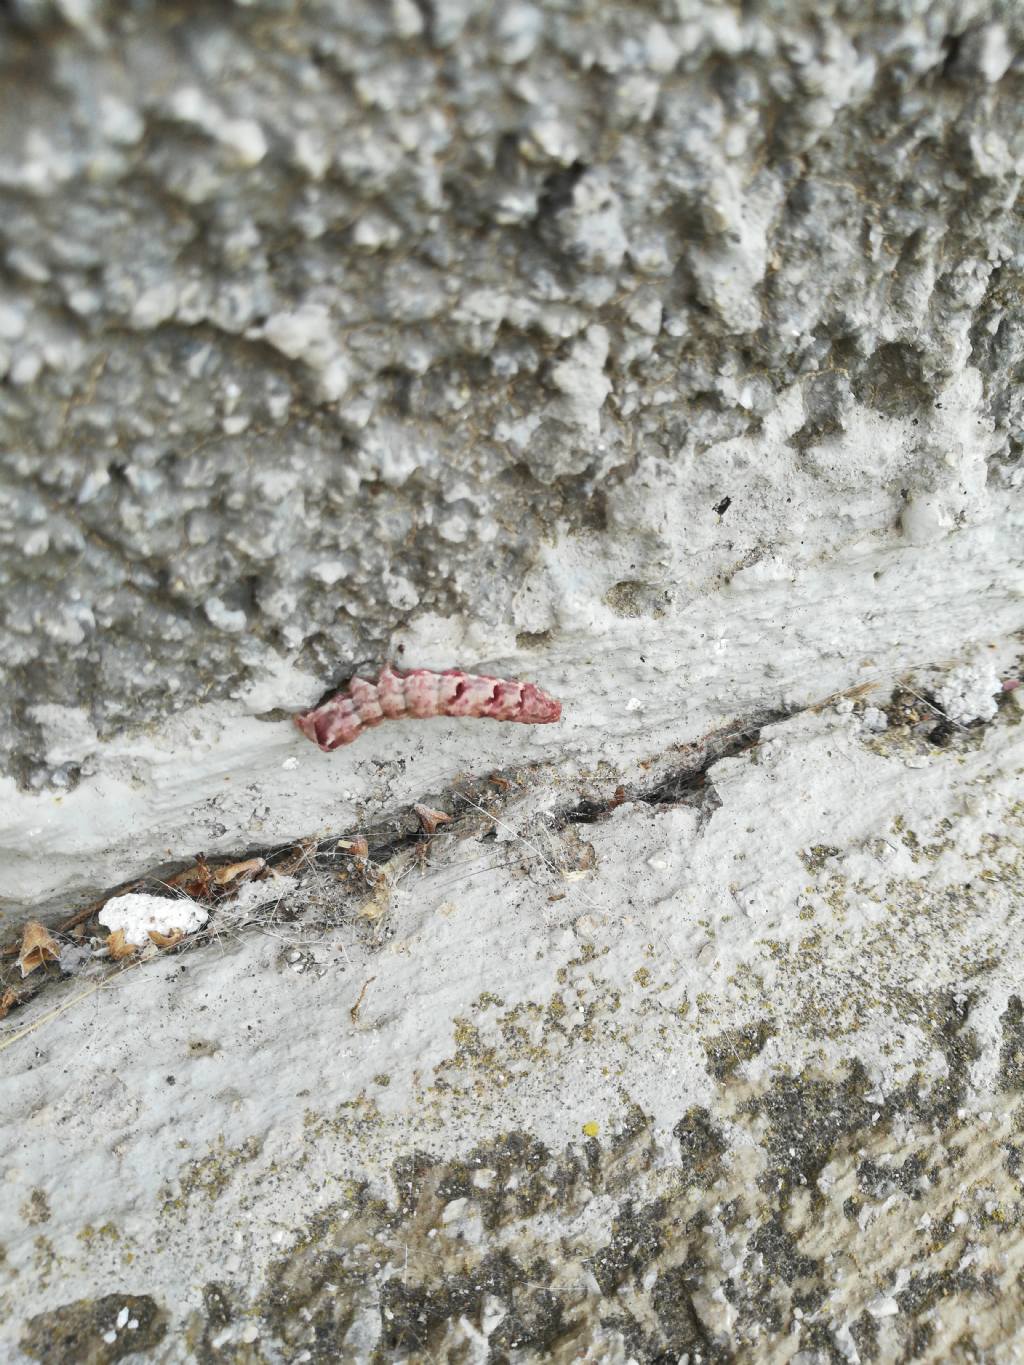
295, 858
430, 819
239, 872
170, 940
201, 882
37, 948
118, 946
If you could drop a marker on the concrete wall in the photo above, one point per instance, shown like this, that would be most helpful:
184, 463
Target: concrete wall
667, 355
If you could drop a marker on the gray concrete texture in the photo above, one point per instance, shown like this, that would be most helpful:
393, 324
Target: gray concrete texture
313, 318
668, 355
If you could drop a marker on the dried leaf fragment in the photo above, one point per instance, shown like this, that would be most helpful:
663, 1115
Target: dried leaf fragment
163, 940
358, 846
200, 881
223, 875
37, 947
7, 1001
195, 880
430, 819
118, 946
377, 904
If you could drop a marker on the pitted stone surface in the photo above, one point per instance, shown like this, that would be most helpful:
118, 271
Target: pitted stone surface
666, 355
315, 320
733, 1071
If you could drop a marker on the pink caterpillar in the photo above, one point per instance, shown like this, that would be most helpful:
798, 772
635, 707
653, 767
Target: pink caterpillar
421, 693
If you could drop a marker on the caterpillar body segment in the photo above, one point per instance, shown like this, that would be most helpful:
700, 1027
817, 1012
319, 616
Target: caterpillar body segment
421, 693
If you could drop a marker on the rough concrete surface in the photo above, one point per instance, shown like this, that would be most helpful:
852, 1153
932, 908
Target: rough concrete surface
668, 355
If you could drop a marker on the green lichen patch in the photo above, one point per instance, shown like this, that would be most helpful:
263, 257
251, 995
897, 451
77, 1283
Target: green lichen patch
807, 1119
222, 1332
312, 1297
208, 1176
764, 1221
817, 857
917, 726
87, 1332
1011, 1052
701, 1147
730, 1049
633, 598
36, 1208
638, 1238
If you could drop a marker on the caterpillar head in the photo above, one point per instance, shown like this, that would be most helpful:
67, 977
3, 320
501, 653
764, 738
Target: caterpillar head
538, 708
